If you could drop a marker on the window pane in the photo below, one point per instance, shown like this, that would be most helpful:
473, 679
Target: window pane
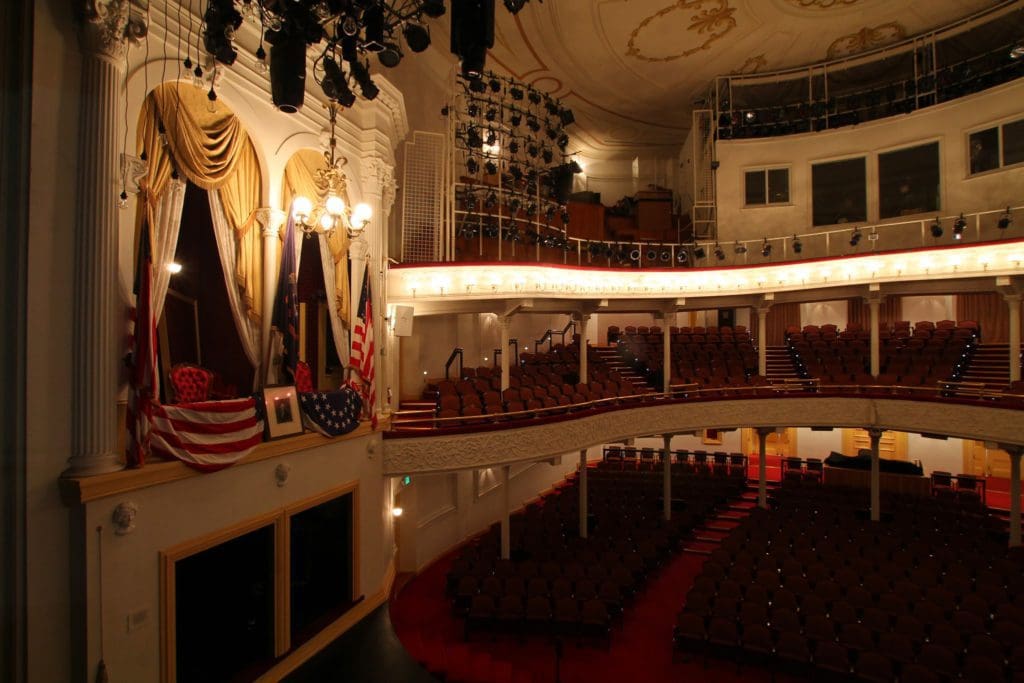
755, 187
908, 181
778, 186
839, 192
984, 150
1013, 143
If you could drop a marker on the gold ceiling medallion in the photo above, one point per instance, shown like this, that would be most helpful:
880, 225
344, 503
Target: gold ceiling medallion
866, 39
711, 23
822, 4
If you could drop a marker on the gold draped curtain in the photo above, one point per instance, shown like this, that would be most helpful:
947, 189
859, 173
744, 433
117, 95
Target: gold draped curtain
299, 176
208, 146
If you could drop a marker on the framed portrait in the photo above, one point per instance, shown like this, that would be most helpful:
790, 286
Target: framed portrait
711, 437
284, 417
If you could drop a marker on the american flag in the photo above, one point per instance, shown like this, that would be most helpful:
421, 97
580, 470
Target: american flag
361, 360
143, 379
331, 412
208, 435
285, 319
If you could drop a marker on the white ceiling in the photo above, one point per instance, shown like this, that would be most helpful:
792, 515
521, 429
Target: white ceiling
631, 69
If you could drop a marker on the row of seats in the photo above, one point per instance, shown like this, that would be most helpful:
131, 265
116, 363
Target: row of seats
556, 582
718, 463
811, 585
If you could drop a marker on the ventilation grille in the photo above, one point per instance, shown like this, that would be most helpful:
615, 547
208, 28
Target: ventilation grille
422, 194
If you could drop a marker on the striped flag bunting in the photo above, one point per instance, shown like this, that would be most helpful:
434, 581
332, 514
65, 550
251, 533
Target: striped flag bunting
361, 358
207, 435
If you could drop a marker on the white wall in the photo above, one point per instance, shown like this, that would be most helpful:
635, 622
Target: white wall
936, 454
949, 123
932, 308
824, 313
442, 510
812, 444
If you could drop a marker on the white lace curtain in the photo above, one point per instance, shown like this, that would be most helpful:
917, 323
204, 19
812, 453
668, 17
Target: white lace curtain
166, 225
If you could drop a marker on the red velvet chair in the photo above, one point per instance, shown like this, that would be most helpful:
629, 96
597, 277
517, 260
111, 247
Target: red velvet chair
303, 378
189, 383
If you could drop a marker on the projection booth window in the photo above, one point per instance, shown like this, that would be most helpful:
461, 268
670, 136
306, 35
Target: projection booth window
908, 181
996, 147
839, 191
766, 186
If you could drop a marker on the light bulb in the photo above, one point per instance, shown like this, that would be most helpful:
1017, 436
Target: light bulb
335, 205
326, 221
173, 268
301, 206
396, 511
363, 212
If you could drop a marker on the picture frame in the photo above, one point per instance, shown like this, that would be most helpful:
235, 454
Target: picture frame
711, 437
283, 415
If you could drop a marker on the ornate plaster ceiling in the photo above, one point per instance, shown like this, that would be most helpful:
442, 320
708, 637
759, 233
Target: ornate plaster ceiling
632, 69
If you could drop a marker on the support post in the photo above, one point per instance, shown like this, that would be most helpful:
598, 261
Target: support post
584, 318
873, 305
666, 476
876, 438
505, 323
583, 493
1015, 454
270, 220
1013, 303
762, 340
762, 465
666, 358
506, 503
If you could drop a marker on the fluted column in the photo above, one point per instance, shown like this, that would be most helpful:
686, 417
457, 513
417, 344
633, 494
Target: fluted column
876, 483
1013, 303
873, 305
105, 26
271, 221
584, 319
583, 493
666, 352
504, 324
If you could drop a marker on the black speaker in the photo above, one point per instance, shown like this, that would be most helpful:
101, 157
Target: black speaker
288, 73
472, 34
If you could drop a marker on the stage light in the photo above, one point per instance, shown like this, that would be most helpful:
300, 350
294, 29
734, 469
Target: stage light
514, 6
698, 253
490, 167
651, 254
634, 255
958, 227
513, 147
798, 246
433, 8
417, 36
739, 248
492, 138
516, 118
532, 123
533, 96
1005, 221
491, 114
665, 255
390, 56
766, 248
362, 76
547, 155
567, 117
855, 237
491, 201
495, 84
937, 228
681, 255
471, 166
719, 252
473, 110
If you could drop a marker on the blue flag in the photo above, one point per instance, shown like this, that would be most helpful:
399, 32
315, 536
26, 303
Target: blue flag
331, 412
285, 318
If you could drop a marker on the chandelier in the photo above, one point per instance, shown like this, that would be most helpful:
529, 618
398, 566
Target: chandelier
331, 210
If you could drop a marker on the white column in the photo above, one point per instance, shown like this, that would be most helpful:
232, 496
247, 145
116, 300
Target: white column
98, 305
583, 493
666, 357
1015, 496
506, 503
762, 465
379, 192
762, 343
666, 476
271, 220
504, 323
876, 438
584, 320
873, 304
1013, 302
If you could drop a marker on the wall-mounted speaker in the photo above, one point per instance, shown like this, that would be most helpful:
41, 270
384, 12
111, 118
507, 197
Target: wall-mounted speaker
403, 321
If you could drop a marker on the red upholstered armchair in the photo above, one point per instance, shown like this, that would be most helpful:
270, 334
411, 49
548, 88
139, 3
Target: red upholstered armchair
303, 377
189, 383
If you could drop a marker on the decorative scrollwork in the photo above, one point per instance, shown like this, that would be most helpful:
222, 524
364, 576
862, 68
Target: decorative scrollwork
822, 4
711, 23
866, 39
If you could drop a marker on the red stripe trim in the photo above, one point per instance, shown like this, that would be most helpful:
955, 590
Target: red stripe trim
210, 449
190, 427
230, 406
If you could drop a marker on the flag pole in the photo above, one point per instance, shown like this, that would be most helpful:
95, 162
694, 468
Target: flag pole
101, 670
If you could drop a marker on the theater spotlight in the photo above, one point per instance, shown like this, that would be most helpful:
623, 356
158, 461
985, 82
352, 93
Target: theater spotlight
533, 96
719, 252
516, 92
855, 237
547, 155
492, 113
471, 166
417, 36
491, 201
473, 110
665, 255
1005, 221
798, 246
766, 248
739, 248
513, 147
937, 228
491, 168
698, 252
634, 255
651, 254
958, 227
682, 256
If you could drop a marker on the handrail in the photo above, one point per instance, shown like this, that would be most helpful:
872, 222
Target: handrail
548, 336
457, 351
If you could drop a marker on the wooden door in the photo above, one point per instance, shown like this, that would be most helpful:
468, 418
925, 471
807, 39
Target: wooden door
988, 462
893, 445
783, 445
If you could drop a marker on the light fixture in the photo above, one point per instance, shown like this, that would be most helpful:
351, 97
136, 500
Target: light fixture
1005, 220
173, 267
472, 166
766, 248
798, 246
698, 252
958, 228
1017, 52
719, 252
937, 228
331, 184
397, 510
855, 237
739, 248
682, 256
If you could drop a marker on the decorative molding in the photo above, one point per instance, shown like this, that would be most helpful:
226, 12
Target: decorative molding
866, 39
482, 488
482, 450
281, 474
271, 219
108, 24
753, 64
712, 22
379, 179
821, 4
124, 516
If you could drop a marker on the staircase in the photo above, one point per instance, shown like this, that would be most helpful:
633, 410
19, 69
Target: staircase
415, 410
611, 359
708, 536
989, 365
779, 364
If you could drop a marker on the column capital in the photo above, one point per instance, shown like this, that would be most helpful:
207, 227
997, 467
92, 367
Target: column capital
107, 26
358, 249
271, 219
1013, 298
379, 180
765, 431
874, 432
505, 322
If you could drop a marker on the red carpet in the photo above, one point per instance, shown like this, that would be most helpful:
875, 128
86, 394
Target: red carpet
641, 645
